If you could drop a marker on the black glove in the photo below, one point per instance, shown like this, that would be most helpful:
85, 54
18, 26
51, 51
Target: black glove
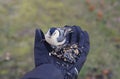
65, 69
81, 37
41, 49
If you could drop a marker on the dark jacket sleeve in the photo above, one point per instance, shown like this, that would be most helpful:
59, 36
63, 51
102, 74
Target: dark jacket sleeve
45, 71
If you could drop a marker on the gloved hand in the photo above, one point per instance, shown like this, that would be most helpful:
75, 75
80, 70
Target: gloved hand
81, 37
42, 49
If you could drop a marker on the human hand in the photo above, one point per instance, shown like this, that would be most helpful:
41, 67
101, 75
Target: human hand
41, 49
82, 39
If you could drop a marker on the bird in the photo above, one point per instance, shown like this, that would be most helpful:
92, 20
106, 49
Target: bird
61, 48
56, 37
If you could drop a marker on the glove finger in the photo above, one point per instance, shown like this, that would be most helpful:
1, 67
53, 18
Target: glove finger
84, 42
68, 37
84, 49
41, 53
39, 35
82, 58
81, 39
74, 35
78, 33
79, 64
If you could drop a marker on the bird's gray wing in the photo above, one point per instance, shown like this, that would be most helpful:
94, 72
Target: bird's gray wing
61, 36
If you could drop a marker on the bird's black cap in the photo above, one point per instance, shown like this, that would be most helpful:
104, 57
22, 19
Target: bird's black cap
52, 30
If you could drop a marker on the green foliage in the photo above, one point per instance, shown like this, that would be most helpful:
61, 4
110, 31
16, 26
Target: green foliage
20, 18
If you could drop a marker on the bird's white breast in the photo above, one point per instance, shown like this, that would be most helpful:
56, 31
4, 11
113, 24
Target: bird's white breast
53, 39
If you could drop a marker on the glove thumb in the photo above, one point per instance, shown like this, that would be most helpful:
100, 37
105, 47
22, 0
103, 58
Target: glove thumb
38, 35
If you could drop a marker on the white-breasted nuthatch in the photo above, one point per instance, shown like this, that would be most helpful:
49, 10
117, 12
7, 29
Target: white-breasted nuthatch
57, 36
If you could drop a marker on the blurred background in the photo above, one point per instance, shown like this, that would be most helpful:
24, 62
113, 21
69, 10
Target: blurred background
20, 18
